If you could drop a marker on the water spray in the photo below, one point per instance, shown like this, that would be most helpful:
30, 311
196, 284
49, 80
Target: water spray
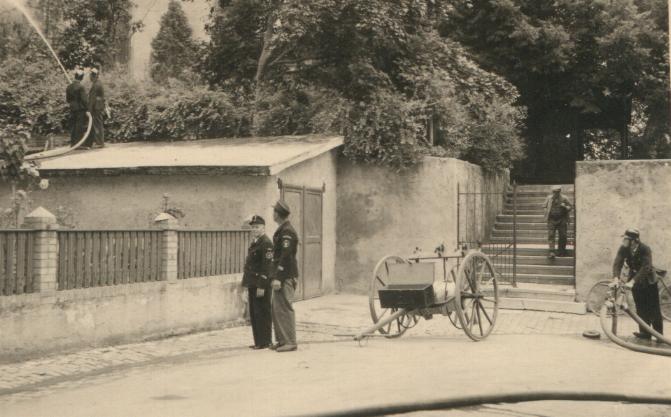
62, 151
26, 13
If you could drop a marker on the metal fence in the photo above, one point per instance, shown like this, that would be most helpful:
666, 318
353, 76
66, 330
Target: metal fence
16, 262
477, 212
94, 258
204, 253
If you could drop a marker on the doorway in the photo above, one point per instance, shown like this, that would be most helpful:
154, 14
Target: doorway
306, 216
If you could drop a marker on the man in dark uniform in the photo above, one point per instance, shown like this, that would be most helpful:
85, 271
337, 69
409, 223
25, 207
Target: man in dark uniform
75, 95
284, 279
98, 107
557, 210
642, 280
256, 278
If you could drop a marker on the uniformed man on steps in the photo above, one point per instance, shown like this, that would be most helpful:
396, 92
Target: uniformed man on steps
256, 278
557, 212
642, 280
284, 279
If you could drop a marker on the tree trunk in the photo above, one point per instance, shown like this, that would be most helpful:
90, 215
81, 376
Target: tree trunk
261, 66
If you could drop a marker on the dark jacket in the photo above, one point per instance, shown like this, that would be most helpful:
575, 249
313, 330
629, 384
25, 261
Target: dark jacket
97, 97
258, 264
285, 247
640, 264
75, 95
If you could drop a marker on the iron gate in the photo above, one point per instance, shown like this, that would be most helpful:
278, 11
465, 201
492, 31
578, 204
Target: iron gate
477, 213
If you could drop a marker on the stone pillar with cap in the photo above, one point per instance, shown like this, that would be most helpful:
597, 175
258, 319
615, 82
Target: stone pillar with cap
169, 246
45, 249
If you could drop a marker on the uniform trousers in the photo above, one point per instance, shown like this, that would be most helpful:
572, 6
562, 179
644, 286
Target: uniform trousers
97, 135
260, 316
559, 226
646, 298
79, 122
284, 318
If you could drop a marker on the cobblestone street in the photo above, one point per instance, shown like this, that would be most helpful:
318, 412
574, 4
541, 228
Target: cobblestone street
320, 320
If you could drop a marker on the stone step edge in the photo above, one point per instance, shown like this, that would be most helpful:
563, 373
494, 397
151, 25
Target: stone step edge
554, 306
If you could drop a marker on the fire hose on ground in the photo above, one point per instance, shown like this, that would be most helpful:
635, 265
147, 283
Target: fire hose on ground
632, 346
507, 398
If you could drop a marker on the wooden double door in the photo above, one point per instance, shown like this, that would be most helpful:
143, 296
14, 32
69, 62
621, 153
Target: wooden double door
306, 216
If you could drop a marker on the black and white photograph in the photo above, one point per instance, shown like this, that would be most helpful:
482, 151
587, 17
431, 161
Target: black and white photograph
335, 208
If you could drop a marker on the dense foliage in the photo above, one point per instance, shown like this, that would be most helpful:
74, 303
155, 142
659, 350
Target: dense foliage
376, 71
400, 79
592, 71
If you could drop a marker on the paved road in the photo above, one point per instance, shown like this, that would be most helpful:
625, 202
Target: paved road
206, 374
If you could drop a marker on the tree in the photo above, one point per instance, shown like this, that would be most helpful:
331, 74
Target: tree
96, 32
173, 48
376, 71
578, 65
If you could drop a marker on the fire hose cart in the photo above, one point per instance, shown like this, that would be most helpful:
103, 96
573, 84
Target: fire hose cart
462, 287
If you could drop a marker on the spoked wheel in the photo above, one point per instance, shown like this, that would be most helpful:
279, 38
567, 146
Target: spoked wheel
598, 295
476, 298
379, 279
665, 299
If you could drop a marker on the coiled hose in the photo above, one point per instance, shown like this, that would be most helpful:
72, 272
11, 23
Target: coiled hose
62, 151
633, 346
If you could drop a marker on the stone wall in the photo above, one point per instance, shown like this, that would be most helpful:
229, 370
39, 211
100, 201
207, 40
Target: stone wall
384, 212
56, 321
612, 196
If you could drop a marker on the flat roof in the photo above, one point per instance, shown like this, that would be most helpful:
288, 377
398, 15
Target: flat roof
240, 156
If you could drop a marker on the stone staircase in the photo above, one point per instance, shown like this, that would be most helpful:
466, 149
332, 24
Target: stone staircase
542, 283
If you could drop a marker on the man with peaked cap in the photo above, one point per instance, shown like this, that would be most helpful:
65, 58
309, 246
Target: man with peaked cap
256, 278
78, 101
284, 279
642, 280
557, 211
97, 106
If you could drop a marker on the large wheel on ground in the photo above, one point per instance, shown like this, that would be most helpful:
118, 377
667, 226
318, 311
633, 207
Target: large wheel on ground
476, 297
665, 299
379, 279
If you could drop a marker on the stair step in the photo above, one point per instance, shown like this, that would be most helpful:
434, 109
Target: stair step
546, 188
539, 292
539, 194
524, 218
527, 199
522, 240
555, 306
525, 233
535, 250
521, 226
529, 212
540, 278
552, 270
507, 258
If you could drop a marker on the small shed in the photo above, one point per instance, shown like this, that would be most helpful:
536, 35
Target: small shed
215, 183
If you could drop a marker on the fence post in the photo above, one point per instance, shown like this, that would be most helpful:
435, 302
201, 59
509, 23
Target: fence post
169, 246
514, 234
45, 249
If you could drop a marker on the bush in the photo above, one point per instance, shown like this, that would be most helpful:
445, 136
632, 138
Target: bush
178, 112
385, 130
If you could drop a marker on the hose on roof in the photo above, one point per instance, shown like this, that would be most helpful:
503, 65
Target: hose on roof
62, 151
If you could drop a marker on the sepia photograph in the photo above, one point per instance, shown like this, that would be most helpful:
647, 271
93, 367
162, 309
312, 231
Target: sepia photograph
335, 208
